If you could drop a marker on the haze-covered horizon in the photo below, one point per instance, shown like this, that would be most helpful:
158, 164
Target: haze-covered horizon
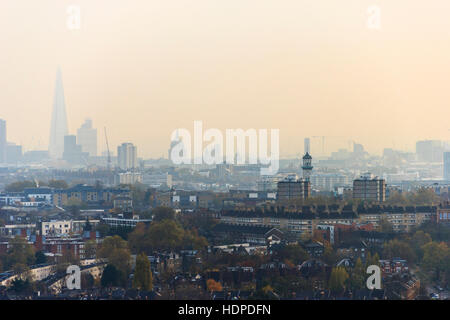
309, 68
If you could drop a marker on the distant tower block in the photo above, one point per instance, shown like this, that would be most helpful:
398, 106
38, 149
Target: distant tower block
307, 145
307, 167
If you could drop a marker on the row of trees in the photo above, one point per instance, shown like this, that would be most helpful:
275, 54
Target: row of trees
421, 197
19, 186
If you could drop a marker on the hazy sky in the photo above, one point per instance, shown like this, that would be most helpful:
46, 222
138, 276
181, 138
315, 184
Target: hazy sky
310, 68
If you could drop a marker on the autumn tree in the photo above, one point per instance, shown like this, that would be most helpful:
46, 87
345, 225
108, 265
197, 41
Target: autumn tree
338, 279
435, 258
396, 198
423, 197
163, 213
142, 274
293, 252
398, 248
111, 277
358, 275
372, 259
166, 235
418, 240
19, 252
162, 235
329, 255
138, 239
23, 271
375, 260
116, 251
213, 285
191, 240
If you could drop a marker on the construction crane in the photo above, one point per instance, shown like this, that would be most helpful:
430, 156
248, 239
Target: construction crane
107, 148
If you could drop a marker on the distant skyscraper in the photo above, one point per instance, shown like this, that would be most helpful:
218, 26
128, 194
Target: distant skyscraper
358, 148
2, 141
72, 151
429, 150
447, 166
127, 156
59, 120
307, 142
13, 153
87, 138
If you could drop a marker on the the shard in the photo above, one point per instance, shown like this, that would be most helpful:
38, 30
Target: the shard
59, 120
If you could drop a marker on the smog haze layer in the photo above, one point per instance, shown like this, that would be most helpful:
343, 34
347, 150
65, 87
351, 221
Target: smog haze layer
309, 68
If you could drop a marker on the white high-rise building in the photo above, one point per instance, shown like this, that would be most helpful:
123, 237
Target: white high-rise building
58, 128
87, 138
127, 156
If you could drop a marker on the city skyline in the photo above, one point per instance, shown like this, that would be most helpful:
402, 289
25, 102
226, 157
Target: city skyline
87, 135
290, 68
239, 152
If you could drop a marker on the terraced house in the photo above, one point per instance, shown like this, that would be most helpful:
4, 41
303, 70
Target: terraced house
306, 220
403, 219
